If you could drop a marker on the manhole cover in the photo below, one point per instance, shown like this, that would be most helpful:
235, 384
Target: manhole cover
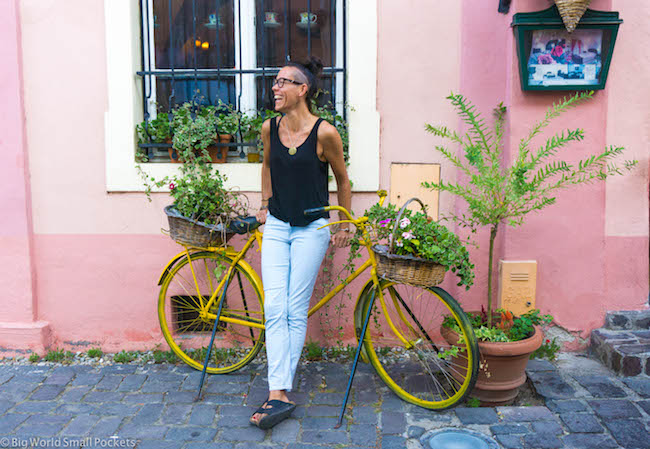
453, 438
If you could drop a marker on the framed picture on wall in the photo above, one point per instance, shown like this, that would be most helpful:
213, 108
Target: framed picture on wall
559, 58
551, 58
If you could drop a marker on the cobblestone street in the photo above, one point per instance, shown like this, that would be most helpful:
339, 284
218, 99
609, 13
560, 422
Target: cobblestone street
152, 406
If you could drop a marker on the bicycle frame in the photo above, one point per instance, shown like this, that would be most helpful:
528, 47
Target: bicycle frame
237, 257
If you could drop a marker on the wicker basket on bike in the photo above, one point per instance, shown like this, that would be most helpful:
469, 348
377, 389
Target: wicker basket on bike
406, 269
187, 231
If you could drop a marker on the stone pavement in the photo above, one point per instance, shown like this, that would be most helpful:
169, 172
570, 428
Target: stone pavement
150, 406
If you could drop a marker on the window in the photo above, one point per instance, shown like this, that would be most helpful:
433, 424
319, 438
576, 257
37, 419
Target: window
208, 51
125, 95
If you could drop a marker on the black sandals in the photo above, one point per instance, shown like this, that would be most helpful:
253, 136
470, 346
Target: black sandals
275, 412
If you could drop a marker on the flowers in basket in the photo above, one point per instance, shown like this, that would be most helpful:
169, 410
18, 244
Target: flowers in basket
199, 193
417, 235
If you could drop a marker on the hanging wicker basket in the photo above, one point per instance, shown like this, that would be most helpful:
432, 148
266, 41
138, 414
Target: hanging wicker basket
571, 12
190, 232
405, 268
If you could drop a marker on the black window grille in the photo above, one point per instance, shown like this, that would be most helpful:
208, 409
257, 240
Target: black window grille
207, 51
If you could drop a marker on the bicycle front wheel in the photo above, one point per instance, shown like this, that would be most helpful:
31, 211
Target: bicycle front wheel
183, 297
405, 344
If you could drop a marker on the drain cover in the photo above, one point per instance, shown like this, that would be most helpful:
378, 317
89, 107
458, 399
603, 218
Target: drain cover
453, 438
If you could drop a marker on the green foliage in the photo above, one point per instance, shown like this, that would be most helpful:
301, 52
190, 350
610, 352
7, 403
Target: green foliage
95, 353
194, 129
165, 357
500, 192
449, 353
419, 236
33, 357
58, 355
253, 125
198, 189
473, 402
157, 130
314, 351
125, 356
519, 328
522, 326
548, 350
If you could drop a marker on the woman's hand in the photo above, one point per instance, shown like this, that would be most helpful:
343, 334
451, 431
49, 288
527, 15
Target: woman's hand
261, 215
341, 238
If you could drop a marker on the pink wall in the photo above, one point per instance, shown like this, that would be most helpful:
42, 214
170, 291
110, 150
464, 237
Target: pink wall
19, 327
84, 269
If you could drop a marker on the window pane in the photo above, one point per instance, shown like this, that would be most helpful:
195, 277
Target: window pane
275, 39
209, 91
194, 40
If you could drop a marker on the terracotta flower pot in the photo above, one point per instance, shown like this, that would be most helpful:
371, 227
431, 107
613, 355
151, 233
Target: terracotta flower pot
173, 154
219, 154
502, 368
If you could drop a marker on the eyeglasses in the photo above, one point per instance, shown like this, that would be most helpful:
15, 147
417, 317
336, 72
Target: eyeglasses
280, 82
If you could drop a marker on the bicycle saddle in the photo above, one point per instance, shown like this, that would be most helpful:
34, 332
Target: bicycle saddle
242, 225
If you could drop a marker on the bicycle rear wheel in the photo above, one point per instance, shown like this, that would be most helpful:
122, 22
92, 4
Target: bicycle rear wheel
425, 369
183, 295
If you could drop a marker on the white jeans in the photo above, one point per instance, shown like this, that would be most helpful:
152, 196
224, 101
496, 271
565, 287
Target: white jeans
291, 258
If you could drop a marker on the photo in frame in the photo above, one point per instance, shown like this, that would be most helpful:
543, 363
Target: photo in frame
559, 58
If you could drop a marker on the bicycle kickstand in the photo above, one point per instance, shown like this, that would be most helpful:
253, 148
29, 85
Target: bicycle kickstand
214, 332
356, 360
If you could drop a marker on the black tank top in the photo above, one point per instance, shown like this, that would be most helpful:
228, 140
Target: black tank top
299, 181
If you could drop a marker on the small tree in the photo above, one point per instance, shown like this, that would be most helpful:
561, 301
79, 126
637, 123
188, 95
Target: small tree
497, 192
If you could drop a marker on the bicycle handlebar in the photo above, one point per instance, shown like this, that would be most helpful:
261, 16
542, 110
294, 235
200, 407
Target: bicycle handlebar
382, 196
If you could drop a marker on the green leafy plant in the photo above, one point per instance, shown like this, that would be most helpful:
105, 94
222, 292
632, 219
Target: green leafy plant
194, 129
95, 353
157, 130
499, 193
252, 125
57, 355
548, 350
125, 356
418, 235
198, 189
473, 402
228, 119
509, 327
160, 356
33, 357
313, 351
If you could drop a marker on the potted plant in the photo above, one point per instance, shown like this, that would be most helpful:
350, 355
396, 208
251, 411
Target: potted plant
194, 129
415, 236
252, 132
500, 193
157, 130
203, 206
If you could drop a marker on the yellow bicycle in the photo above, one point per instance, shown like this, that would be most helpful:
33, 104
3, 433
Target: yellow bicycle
403, 340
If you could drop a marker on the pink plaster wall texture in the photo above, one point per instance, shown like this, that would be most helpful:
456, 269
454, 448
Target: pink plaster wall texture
19, 329
98, 255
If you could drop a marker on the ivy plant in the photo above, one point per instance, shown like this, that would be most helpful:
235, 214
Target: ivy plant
500, 193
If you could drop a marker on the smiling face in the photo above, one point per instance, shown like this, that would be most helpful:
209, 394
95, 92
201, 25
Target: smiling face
290, 94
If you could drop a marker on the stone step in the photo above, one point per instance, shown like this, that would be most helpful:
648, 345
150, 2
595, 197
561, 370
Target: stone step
626, 352
628, 320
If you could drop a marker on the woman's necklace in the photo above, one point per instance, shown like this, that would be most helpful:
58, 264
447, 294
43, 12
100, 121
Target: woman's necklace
292, 149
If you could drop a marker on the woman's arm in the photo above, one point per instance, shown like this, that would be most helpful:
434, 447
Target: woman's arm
266, 172
332, 145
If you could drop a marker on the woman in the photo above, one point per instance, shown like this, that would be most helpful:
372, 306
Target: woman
297, 150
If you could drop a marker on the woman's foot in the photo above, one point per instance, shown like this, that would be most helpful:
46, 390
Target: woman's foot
279, 408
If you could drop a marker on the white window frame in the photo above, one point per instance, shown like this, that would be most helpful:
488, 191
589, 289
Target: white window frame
123, 60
